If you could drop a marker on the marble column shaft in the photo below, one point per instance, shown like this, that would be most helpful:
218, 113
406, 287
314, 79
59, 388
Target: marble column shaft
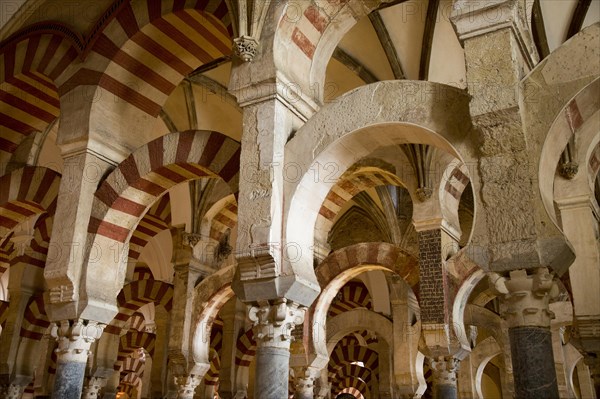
273, 325
74, 339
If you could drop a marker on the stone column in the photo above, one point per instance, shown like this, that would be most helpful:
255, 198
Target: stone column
305, 382
92, 388
525, 301
273, 325
233, 315
74, 339
186, 386
444, 377
586, 385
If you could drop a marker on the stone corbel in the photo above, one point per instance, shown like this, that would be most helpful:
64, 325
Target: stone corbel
251, 18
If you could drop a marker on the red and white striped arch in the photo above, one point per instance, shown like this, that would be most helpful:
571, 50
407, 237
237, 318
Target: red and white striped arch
351, 391
137, 294
26, 192
354, 370
7, 252
354, 295
344, 190
157, 219
224, 220
32, 61
3, 312
35, 320
123, 198
148, 47
245, 349
351, 383
134, 340
309, 31
346, 263
344, 355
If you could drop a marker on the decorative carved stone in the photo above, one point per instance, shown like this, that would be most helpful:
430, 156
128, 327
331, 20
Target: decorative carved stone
245, 47
11, 391
305, 382
75, 337
273, 324
424, 193
91, 390
568, 170
186, 385
62, 294
526, 297
191, 239
444, 370
258, 263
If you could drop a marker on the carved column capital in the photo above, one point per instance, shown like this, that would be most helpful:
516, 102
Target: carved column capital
92, 388
526, 297
245, 47
186, 385
11, 391
75, 337
444, 369
304, 382
274, 323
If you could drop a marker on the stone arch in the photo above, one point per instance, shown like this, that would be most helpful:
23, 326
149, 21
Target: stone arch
245, 349
129, 190
358, 319
483, 352
35, 320
26, 192
354, 383
209, 297
340, 267
197, 32
157, 219
559, 87
3, 313
348, 186
34, 61
459, 306
309, 31
583, 107
133, 340
137, 294
429, 113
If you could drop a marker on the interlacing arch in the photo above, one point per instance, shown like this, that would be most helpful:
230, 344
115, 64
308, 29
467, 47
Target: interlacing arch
26, 192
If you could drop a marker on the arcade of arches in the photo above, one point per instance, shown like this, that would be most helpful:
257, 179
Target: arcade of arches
279, 199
